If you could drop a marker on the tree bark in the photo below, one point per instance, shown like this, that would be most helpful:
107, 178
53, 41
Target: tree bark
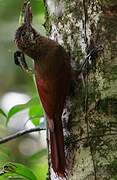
90, 115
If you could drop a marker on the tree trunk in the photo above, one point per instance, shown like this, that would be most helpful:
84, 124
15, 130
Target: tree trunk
90, 115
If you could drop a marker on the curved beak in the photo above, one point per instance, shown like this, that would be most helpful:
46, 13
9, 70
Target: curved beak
27, 13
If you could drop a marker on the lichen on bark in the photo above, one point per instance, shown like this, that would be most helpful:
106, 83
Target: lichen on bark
90, 113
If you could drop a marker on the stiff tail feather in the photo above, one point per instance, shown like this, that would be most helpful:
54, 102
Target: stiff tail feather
57, 148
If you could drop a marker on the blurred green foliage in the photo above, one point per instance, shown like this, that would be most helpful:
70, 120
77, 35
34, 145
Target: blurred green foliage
3, 113
13, 8
13, 79
34, 106
13, 169
39, 162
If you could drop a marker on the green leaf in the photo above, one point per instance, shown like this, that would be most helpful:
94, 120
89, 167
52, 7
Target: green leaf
36, 110
3, 113
15, 110
34, 106
35, 120
15, 168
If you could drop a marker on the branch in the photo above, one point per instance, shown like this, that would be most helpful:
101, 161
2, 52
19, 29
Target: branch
19, 134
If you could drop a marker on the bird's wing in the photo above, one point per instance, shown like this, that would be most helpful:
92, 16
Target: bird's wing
52, 94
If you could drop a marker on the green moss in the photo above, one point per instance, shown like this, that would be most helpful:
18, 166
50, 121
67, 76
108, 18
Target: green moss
112, 168
108, 2
108, 106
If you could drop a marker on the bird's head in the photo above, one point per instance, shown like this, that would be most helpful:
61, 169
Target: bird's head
25, 34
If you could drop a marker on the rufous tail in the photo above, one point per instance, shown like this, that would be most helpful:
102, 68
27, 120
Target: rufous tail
57, 148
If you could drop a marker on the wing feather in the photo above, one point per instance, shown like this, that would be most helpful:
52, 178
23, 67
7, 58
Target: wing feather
52, 94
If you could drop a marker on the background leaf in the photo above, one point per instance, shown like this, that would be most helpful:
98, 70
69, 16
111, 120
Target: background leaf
16, 109
35, 110
15, 168
3, 113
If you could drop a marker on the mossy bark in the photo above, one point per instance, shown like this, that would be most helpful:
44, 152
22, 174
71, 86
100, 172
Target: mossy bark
90, 115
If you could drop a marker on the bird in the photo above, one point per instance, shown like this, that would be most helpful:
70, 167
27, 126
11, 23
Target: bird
53, 74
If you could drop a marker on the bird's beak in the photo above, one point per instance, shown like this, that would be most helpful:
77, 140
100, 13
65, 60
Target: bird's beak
27, 14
